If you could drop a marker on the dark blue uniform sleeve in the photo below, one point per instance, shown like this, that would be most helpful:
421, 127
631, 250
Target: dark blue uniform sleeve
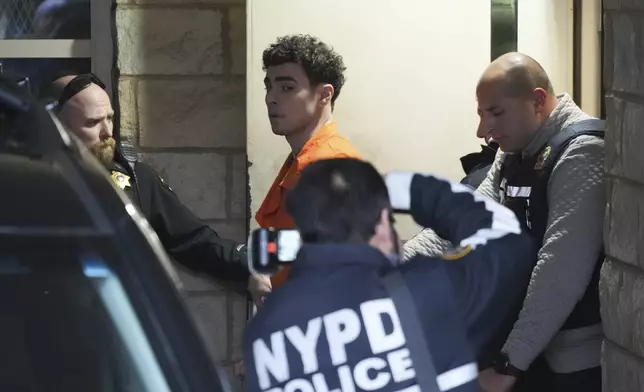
458, 214
492, 266
185, 237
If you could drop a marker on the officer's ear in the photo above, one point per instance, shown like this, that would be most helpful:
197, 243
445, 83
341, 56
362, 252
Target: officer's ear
539, 98
383, 234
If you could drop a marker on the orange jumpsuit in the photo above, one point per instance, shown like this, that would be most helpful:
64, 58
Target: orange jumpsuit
326, 143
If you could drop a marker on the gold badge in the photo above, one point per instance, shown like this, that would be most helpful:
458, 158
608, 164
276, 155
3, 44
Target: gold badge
542, 158
120, 179
457, 253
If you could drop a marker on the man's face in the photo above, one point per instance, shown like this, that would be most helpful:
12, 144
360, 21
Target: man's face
511, 122
291, 101
88, 115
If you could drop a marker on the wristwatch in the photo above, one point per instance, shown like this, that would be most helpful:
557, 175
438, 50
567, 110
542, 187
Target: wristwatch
502, 365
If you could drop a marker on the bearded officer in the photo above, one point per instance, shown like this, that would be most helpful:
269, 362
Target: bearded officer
84, 107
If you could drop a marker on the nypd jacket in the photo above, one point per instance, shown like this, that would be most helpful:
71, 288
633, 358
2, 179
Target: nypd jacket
187, 239
332, 324
566, 261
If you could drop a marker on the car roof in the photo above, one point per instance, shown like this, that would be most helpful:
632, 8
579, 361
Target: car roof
36, 194
55, 195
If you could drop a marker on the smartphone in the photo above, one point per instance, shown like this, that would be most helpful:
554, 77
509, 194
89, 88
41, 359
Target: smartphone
268, 249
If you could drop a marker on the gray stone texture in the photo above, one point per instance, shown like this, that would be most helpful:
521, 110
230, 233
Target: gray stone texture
621, 371
181, 41
237, 18
192, 113
198, 179
622, 295
622, 276
238, 199
182, 98
128, 112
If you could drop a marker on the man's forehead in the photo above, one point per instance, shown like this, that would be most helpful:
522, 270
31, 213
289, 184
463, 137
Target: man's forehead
285, 72
92, 101
494, 89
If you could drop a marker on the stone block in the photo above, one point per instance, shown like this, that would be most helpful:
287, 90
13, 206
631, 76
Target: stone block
624, 138
621, 372
628, 72
193, 281
192, 113
239, 192
621, 291
632, 141
198, 179
210, 313
237, 34
623, 4
129, 122
614, 127
623, 229
169, 41
238, 325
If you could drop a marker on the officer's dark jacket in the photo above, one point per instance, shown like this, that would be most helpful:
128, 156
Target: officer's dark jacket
476, 165
459, 302
187, 239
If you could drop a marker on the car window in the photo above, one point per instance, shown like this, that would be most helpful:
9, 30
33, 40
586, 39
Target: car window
66, 324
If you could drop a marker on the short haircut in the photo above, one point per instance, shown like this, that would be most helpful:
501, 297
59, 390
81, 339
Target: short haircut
320, 62
522, 79
338, 201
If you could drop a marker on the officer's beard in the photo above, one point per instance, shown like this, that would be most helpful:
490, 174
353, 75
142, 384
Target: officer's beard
104, 151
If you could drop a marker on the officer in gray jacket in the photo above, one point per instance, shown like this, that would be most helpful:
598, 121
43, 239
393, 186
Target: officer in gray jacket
549, 170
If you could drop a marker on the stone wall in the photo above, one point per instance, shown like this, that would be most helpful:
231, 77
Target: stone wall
622, 284
182, 98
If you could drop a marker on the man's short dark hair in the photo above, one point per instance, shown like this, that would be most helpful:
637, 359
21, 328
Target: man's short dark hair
320, 62
338, 200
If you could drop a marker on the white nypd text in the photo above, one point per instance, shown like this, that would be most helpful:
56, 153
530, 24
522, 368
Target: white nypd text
389, 364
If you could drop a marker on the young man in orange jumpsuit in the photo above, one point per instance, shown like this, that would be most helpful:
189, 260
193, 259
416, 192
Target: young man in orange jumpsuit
304, 77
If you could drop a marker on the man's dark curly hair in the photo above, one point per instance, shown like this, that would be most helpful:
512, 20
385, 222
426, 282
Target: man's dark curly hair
320, 62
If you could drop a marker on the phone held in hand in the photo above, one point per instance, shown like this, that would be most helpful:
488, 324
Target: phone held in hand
270, 248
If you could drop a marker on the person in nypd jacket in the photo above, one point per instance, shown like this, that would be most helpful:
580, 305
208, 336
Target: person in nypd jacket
333, 326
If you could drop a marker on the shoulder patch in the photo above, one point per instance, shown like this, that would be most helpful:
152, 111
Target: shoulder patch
456, 253
541, 160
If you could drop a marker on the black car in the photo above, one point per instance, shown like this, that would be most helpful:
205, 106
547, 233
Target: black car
88, 298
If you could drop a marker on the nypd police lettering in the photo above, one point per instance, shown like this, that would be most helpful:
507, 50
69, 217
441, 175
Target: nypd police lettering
389, 365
